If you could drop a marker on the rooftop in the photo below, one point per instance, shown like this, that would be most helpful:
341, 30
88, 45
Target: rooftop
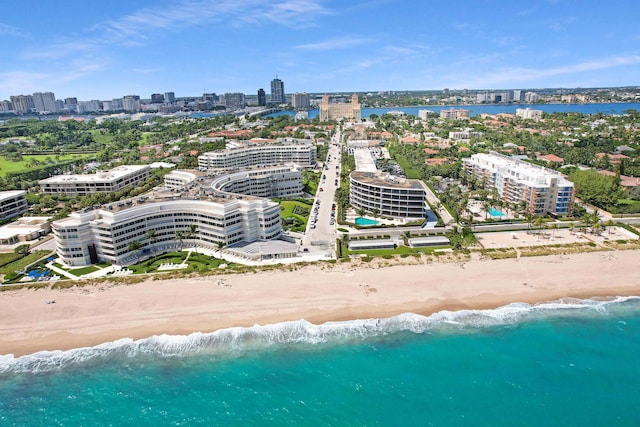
386, 180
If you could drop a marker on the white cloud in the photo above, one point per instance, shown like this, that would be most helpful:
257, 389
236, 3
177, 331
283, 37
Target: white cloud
8, 30
534, 75
334, 43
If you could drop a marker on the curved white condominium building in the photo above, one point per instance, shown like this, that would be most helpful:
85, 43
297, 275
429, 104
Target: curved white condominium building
387, 195
302, 155
105, 234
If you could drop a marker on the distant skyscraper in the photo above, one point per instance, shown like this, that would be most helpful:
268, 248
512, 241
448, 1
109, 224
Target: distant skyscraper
518, 95
262, 97
277, 91
157, 98
300, 100
23, 103
234, 101
44, 102
131, 103
170, 97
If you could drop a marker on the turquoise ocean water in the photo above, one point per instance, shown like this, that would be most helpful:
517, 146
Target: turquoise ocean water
567, 363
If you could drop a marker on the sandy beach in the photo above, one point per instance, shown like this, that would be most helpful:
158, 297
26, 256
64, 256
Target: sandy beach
88, 316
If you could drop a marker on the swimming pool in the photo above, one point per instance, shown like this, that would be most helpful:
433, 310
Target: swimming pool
496, 212
365, 221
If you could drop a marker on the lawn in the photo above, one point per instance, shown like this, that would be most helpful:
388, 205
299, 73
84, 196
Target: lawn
23, 262
8, 166
9, 257
294, 209
406, 167
196, 262
400, 250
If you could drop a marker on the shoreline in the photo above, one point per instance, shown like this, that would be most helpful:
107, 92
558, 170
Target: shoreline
91, 315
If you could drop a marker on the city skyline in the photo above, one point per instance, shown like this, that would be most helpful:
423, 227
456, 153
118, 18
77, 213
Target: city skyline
92, 51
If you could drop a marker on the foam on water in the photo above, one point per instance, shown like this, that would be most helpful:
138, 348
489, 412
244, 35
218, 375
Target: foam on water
236, 341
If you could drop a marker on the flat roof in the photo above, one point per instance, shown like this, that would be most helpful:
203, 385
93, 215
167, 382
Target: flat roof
387, 180
105, 176
366, 244
270, 247
10, 194
429, 240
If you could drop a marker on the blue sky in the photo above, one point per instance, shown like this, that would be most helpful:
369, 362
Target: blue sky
104, 50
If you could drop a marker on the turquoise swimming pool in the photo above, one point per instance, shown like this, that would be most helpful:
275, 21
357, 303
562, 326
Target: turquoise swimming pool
365, 221
496, 212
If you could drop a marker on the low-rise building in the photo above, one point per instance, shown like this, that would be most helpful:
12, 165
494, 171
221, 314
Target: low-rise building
25, 229
106, 181
12, 203
279, 181
529, 114
246, 155
454, 114
544, 190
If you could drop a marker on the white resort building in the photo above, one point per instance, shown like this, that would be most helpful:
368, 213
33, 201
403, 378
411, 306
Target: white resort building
301, 154
230, 211
105, 234
544, 190
387, 195
107, 181
12, 203
279, 181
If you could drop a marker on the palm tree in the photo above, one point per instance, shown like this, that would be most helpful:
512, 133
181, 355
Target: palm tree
554, 227
180, 235
529, 218
220, 244
486, 207
135, 246
191, 234
152, 236
539, 222
609, 224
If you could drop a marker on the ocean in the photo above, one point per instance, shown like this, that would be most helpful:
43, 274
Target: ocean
572, 362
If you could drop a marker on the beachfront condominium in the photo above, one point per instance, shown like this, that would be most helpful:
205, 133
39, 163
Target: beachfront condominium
347, 111
387, 195
301, 154
106, 181
544, 190
12, 203
159, 224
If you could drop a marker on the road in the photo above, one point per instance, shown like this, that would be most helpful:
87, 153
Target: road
321, 233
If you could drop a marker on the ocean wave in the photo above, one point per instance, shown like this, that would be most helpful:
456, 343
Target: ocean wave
235, 341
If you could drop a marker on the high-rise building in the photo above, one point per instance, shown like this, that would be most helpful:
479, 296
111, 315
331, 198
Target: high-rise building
210, 97
234, 101
23, 103
170, 97
277, 91
262, 98
300, 100
44, 102
518, 95
6, 105
157, 98
131, 103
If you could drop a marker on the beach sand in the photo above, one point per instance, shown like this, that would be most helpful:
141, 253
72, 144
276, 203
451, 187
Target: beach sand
91, 315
